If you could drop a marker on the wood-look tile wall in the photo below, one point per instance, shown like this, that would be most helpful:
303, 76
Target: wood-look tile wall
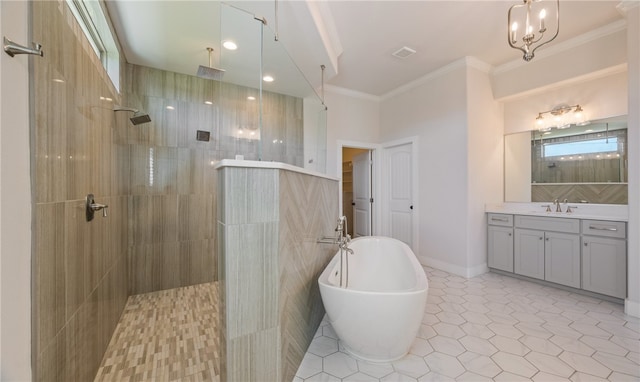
172, 177
79, 267
599, 193
268, 223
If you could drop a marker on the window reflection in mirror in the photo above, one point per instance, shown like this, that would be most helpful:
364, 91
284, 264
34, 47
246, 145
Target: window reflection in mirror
583, 164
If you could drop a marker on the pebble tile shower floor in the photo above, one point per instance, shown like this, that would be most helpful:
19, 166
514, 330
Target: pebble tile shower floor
169, 335
491, 327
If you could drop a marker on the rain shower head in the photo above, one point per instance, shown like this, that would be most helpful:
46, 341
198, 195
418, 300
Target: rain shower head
138, 116
209, 72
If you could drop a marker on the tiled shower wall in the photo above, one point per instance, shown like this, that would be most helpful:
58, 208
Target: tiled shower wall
269, 222
79, 267
172, 178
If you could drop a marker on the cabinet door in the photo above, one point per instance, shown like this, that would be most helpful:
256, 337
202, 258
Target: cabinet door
604, 266
500, 248
528, 253
562, 258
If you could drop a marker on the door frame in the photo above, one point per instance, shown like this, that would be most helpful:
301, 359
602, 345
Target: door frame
376, 228
384, 192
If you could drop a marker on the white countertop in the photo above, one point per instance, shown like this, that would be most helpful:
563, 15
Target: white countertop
273, 165
611, 212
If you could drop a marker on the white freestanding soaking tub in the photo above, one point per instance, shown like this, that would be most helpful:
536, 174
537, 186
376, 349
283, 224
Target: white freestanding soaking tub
378, 314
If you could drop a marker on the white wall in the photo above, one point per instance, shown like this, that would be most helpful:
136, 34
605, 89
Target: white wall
485, 148
15, 200
632, 304
436, 112
600, 97
351, 117
556, 63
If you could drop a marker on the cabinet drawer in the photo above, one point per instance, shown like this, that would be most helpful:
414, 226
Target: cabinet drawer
604, 228
500, 219
548, 224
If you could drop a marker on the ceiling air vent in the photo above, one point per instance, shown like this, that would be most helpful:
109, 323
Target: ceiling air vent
403, 52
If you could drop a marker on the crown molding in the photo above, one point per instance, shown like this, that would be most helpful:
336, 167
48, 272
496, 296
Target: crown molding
351, 93
626, 5
458, 64
576, 80
595, 34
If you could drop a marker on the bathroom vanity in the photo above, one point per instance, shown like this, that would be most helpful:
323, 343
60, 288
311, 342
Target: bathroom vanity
586, 251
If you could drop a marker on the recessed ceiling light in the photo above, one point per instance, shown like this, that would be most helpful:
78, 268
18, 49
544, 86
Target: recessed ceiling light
267, 78
230, 45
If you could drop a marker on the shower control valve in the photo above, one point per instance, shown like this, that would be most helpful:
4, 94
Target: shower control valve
92, 207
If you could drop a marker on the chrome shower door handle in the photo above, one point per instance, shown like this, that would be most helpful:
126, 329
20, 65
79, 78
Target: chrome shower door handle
92, 207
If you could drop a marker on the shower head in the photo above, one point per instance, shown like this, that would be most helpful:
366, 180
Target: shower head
138, 116
209, 72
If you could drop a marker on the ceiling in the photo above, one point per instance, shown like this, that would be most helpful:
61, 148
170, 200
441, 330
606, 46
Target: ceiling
173, 35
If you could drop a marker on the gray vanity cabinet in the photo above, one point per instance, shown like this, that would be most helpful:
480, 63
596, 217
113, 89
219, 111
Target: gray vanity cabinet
604, 257
500, 242
548, 249
583, 254
529, 253
562, 258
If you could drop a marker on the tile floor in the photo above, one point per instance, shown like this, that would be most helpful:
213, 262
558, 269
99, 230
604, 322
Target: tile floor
169, 335
495, 327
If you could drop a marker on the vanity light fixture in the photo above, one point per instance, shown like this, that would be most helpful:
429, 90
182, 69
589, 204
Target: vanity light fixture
521, 21
561, 118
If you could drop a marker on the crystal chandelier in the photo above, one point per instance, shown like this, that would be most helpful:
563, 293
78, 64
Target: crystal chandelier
522, 22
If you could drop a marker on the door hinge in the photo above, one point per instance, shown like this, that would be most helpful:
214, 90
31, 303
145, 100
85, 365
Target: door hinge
371, 200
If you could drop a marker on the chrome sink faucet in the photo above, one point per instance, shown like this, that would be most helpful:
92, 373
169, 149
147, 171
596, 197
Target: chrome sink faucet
557, 203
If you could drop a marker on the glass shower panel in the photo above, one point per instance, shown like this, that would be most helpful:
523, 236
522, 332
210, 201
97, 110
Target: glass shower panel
269, 111
290, 108
240, 87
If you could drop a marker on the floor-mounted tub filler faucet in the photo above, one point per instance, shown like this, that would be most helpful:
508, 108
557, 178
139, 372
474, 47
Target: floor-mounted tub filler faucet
343, 236
342, 239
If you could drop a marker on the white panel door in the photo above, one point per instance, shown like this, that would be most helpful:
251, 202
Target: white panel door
400, 199
362, 199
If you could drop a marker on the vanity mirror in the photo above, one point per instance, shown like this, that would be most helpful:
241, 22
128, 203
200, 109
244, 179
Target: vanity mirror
583, 164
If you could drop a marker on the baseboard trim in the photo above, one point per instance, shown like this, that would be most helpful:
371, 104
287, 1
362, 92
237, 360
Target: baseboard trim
632, 308
466, 272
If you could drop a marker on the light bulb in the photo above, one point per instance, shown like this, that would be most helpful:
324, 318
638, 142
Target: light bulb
543, 14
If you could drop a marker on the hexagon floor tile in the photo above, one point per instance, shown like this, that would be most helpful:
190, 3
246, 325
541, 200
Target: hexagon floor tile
495, 327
